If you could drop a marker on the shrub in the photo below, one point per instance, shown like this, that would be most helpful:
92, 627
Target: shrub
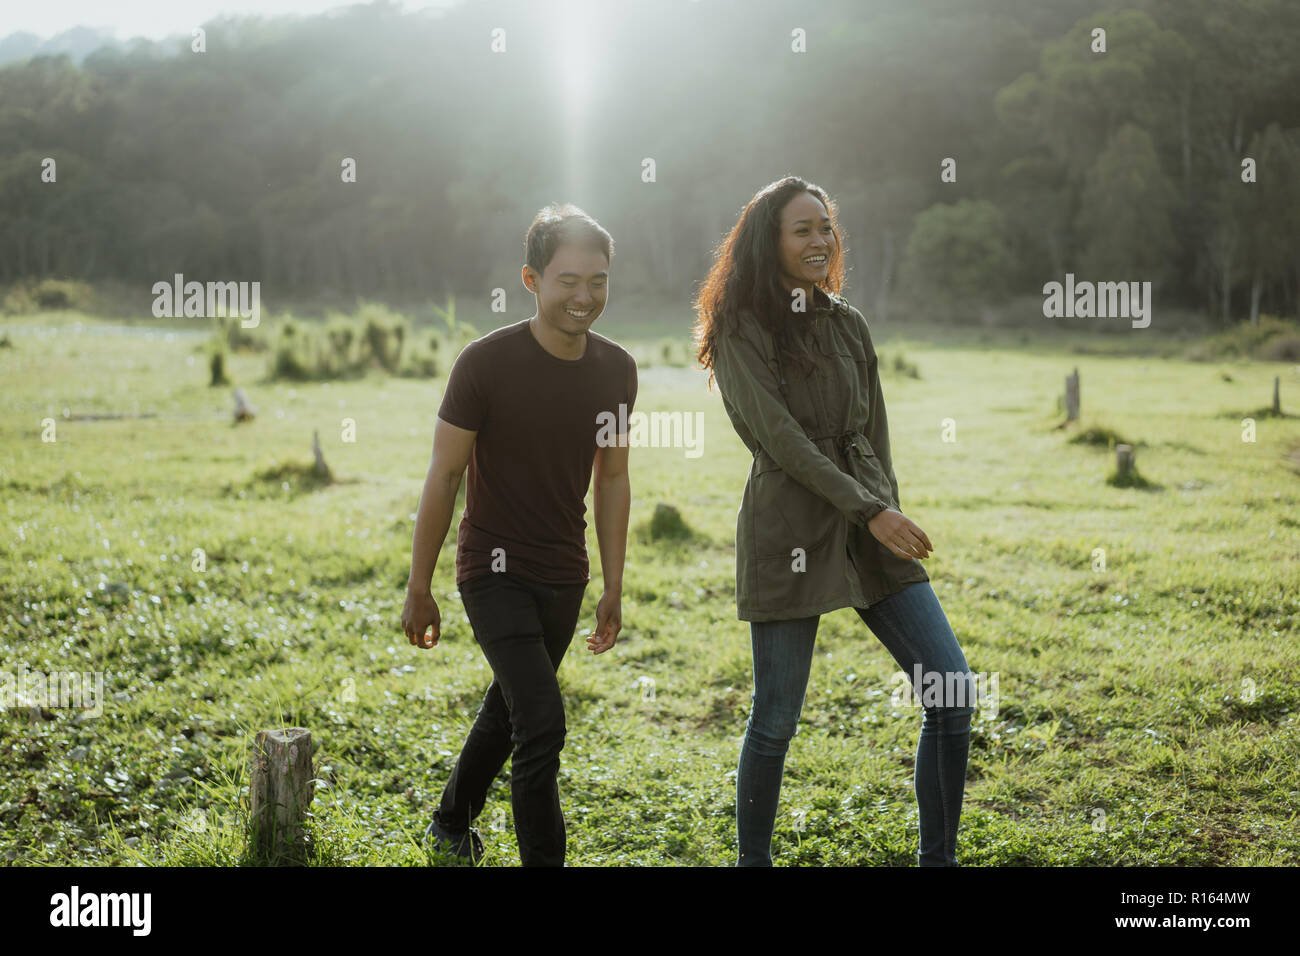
18, 300
907, 368
347, 346
453, 334
287, 364
1244, 340
423, 362
1281, 348
667, 524
1099, 436
1133, 479
231, 331
48, 294
420, 365
62, 294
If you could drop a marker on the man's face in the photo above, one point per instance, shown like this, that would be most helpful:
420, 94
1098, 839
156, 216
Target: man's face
571, 292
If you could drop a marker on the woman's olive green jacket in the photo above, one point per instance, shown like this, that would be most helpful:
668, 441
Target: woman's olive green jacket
821, 470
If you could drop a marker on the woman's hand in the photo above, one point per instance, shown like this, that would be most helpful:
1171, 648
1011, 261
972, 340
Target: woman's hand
900, 534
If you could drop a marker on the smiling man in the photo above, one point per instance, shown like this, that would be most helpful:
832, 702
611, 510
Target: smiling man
521, 410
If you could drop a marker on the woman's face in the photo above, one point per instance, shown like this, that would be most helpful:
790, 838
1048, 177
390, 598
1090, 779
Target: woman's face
807, 241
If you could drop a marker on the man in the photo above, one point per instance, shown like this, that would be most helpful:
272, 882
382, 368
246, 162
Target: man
522, 408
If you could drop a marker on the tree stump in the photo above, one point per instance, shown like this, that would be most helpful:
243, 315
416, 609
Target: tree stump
1124, 460
280, 789
321, 469
1072, 397
217, 365
244, 410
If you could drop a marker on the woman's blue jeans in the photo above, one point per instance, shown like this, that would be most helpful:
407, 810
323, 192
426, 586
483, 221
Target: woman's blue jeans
913, 627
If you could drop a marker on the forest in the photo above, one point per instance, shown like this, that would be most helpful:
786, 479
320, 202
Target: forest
977, 150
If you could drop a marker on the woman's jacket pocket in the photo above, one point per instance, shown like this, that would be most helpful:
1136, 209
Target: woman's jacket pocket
868, 470
786, 515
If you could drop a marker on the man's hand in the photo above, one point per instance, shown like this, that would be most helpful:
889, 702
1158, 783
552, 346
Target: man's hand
609, 621
419, 614
900, 534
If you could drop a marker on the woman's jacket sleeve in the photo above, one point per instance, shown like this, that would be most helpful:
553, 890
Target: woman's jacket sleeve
749, 384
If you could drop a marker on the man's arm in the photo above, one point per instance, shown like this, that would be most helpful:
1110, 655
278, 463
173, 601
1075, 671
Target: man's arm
452, 447
612, 494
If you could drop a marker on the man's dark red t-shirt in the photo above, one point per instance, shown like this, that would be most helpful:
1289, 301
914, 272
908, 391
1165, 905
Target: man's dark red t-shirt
537, 418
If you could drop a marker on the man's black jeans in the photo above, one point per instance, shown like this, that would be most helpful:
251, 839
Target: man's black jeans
524, 628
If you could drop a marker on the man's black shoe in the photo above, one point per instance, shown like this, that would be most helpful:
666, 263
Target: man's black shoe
467, 845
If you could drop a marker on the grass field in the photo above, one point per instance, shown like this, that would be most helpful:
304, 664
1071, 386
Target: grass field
1147, 713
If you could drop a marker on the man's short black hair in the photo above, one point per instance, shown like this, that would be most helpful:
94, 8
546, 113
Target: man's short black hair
559, 223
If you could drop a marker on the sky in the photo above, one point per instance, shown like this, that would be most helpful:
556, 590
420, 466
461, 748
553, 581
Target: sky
153, 18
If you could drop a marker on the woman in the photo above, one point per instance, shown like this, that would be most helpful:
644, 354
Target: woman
819, 526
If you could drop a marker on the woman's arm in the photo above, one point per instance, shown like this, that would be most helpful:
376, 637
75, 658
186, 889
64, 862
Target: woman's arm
894, 529
751, 387
876, 431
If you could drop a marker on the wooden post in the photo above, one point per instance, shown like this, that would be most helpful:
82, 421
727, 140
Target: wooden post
1277, 395
244, 410
322, 470
1124, 459
1072, 396
280, 788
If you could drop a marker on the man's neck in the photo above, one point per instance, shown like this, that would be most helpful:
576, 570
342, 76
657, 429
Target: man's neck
562, 346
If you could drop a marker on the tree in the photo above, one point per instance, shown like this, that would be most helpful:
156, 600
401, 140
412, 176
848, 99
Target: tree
957, 254
1126, 212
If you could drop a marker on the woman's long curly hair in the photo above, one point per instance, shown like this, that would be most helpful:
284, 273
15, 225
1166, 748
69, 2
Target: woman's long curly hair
746, 275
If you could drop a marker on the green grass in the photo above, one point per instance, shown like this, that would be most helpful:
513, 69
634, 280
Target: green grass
1159, 692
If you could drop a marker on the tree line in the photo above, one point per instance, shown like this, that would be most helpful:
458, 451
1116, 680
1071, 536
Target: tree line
978, 149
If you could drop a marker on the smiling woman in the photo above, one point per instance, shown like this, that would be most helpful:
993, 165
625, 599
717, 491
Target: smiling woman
819, 526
